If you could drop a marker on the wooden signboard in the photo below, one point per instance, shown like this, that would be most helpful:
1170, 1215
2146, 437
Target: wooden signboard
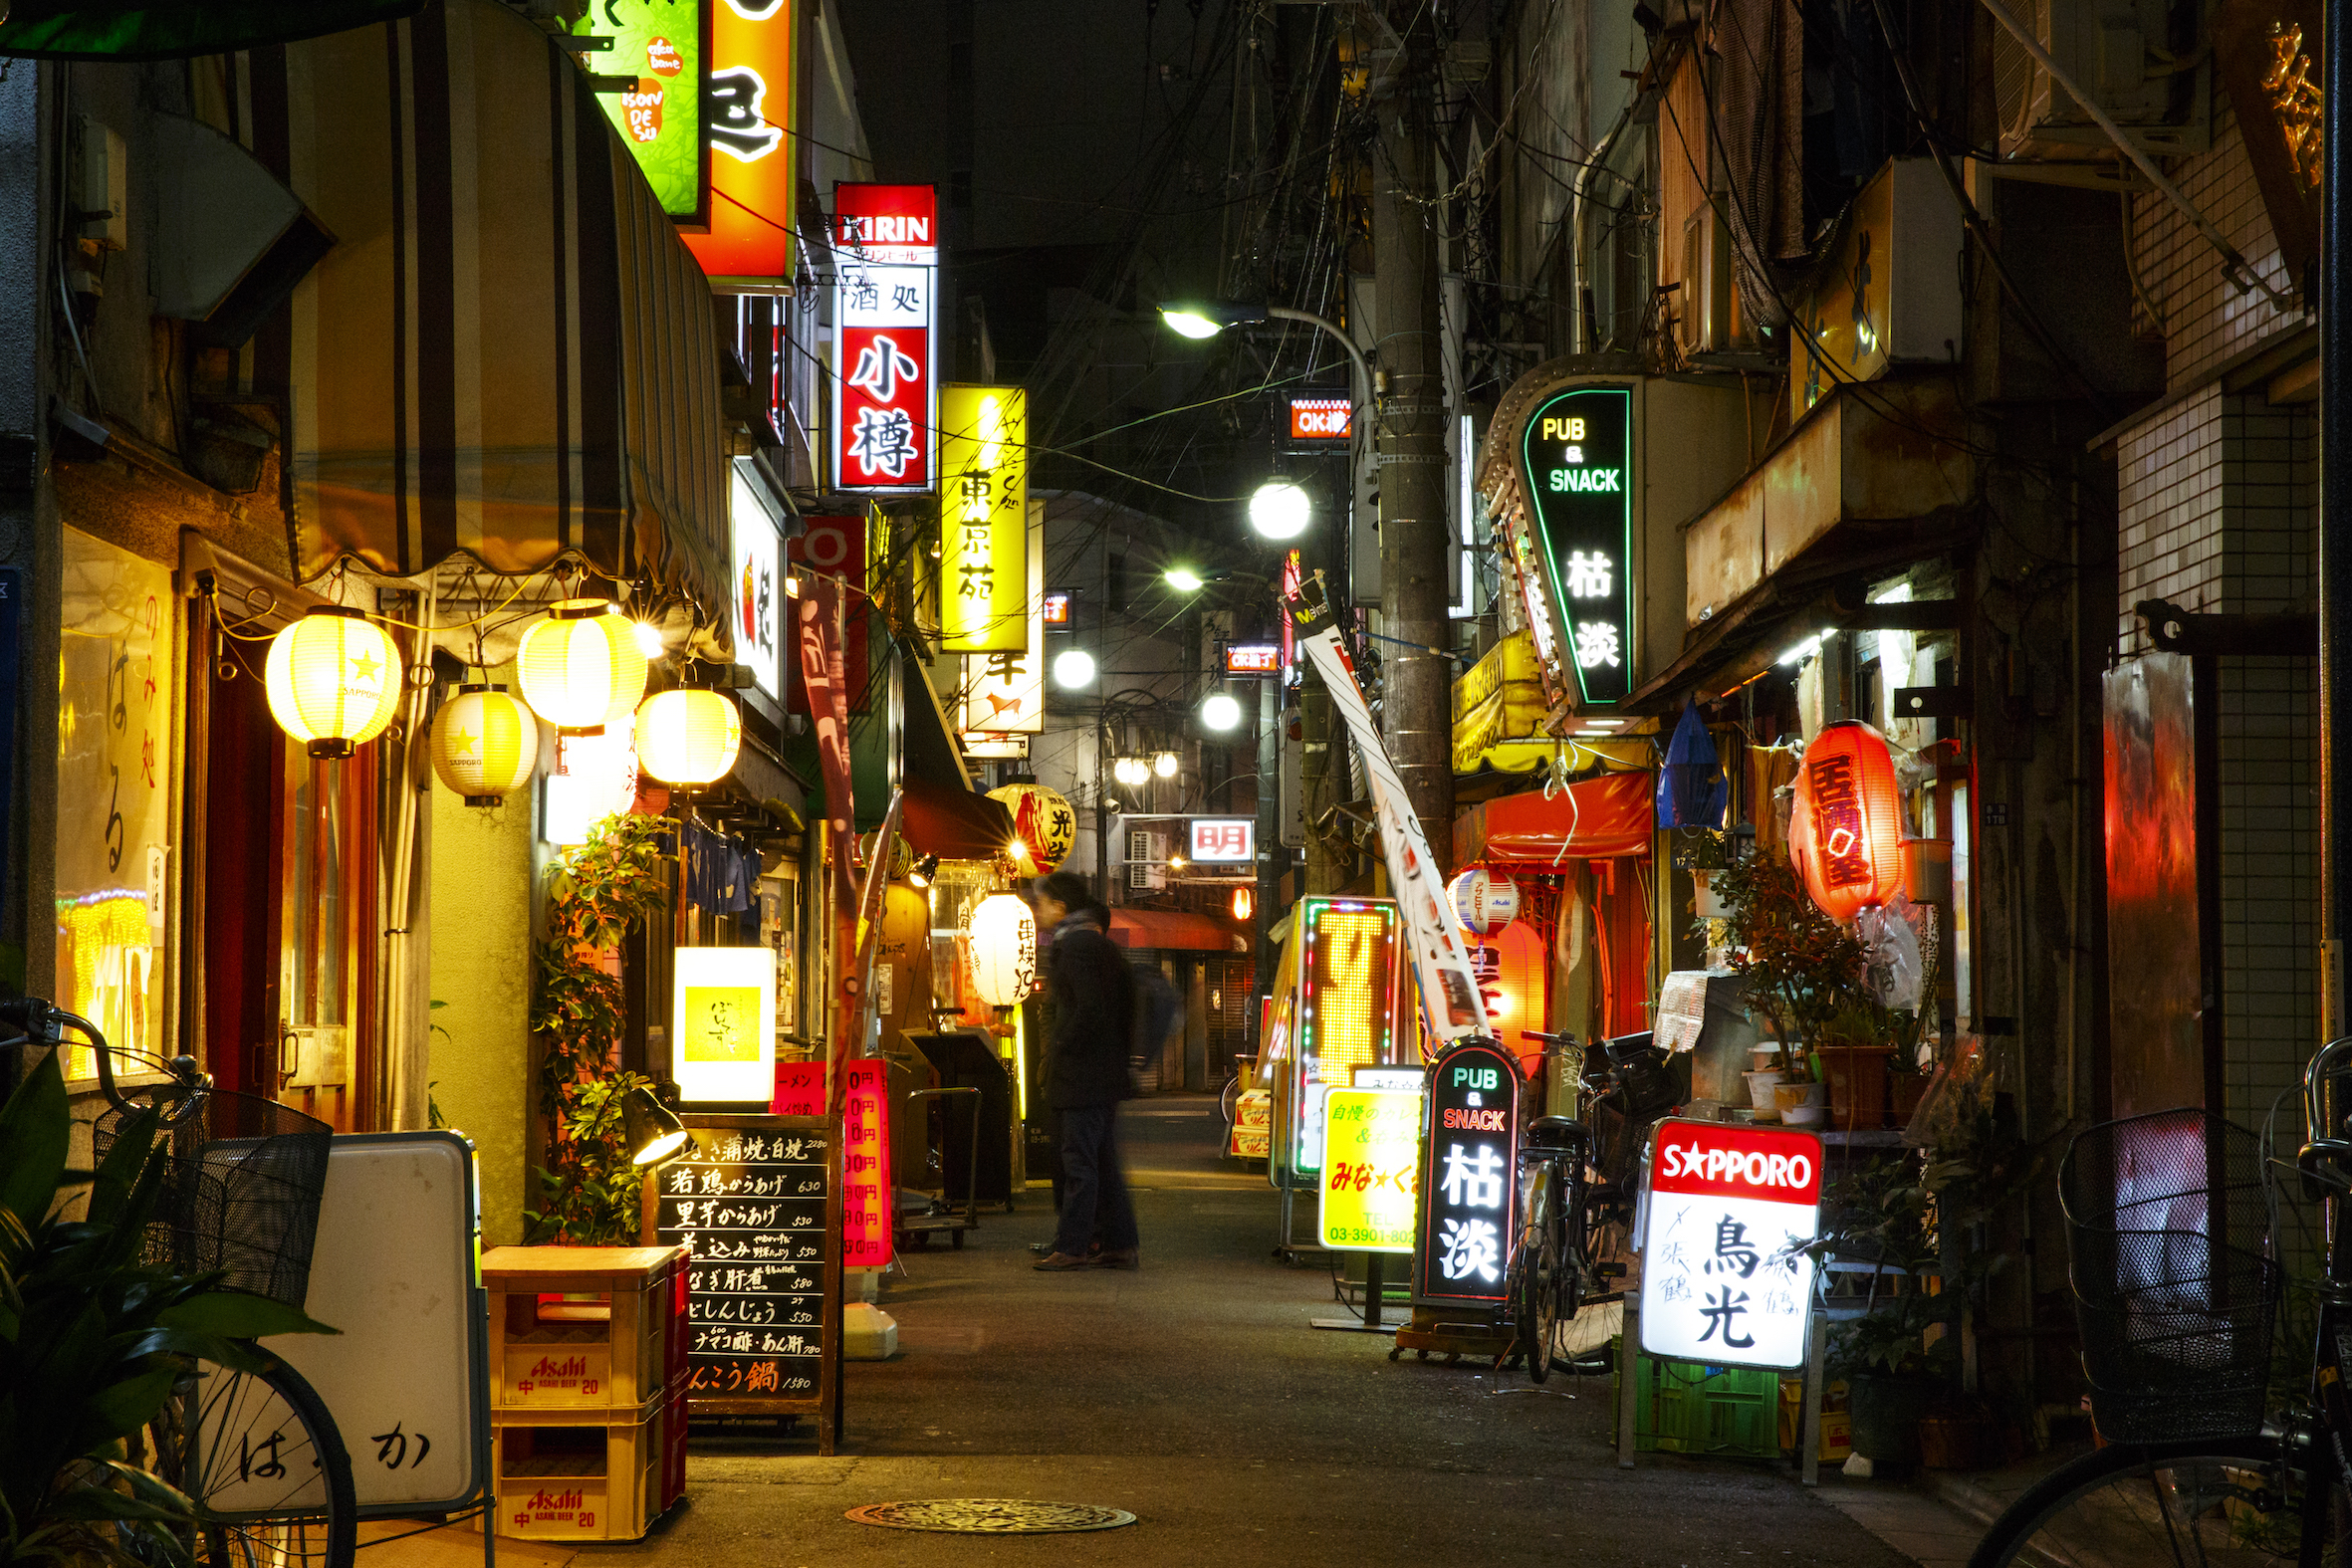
758, 1205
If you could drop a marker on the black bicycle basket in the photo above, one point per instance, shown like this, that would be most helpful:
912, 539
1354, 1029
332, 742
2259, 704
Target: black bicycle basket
2168, 1238
240, 1194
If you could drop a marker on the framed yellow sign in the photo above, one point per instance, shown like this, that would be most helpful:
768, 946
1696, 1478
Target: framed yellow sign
1372, 1167
985, 604
723, 1026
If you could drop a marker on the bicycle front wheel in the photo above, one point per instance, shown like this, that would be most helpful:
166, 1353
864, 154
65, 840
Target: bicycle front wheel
2227, 1503
1536, 1302
260, 1457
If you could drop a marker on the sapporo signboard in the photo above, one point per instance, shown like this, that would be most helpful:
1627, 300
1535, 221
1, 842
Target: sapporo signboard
1577, 466
1468, 1150
1347, 987
1371, 1158
1728, 1209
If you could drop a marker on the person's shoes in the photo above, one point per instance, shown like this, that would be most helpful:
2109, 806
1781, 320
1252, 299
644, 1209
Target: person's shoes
1040, 1247
1058, 1262
1128, 1259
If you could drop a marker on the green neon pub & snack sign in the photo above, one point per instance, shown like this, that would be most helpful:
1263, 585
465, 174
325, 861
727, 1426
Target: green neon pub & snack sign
1576, 463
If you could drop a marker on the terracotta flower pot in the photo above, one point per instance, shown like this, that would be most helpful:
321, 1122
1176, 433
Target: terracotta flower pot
1857, 1079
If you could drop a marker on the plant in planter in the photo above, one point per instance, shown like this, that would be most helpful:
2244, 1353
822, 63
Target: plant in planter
1883, 1215
1798, 962
597, 890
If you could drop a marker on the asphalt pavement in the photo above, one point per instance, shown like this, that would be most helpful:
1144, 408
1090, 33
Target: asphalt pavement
1194, 1394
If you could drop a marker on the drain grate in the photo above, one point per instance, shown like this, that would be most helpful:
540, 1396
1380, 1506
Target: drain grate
991, 1516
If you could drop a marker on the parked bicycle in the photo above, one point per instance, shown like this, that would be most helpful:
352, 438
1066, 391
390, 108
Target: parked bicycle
255, 1451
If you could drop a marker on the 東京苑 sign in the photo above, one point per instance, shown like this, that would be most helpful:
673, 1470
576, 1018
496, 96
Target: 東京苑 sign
1577, 466
986, 599
723, 1025
1223, 840
1730, 1209
1469, 1190
1371, 1155
1347, 987
886, 394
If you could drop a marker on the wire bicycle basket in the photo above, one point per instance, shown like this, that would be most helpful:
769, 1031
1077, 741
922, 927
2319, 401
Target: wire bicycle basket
241, 1186
2168, 1234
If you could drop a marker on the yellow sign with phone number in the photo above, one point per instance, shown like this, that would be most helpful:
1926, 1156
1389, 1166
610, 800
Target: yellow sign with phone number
1371, 1169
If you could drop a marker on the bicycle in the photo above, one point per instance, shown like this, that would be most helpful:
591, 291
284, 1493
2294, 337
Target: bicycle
2177, 1289
256, 1453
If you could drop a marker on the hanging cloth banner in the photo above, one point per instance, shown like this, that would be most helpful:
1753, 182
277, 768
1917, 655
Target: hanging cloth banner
1450, 1005
817, 632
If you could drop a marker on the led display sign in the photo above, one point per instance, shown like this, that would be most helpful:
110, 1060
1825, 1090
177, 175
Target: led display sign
1469, 1189
985, 595
723, 1025
1371, 1155
1577, 466
1057, 610
745, 242
1318, 421
885, 397
1728, 1211
1252, 658
865, 1165
661, 44
1223, 840
1347, 986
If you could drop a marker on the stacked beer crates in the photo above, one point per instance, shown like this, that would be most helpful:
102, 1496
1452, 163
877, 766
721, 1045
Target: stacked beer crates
588, 1370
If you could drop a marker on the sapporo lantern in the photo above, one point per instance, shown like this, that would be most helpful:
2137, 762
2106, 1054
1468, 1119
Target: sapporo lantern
1044, 826
1845, 828
580, 668
334, 680
1483, 901
485, 745
688, 736
1004, 942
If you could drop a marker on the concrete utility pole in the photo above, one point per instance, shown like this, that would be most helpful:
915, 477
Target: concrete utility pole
1415, 710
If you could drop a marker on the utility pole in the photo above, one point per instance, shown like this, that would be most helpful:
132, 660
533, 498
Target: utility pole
1416, 706
2335, 551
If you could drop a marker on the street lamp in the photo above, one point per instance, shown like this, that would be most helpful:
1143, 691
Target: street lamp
1072, 668
1195, 319
1183, 579
1164, 764
1280, 510
1221, 711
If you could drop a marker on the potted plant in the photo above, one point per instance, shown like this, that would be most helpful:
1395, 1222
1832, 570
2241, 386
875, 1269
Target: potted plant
1882, 1214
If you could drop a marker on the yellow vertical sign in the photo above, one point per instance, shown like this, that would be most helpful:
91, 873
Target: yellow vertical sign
983, 599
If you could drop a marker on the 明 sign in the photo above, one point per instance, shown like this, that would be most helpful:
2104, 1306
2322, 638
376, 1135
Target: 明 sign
1729, 1211
1577, 467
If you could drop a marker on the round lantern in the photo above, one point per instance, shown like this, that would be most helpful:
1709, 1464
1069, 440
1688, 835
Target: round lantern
1044, 826
334, 680
485, 745
581, 668
1004, 940
688, 736
902, 855
1483, 901
1846, 831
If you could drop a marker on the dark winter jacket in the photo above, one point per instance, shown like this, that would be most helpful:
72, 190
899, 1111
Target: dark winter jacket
1093, 1015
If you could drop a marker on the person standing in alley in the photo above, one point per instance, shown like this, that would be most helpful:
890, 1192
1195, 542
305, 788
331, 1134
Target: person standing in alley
1087, 1072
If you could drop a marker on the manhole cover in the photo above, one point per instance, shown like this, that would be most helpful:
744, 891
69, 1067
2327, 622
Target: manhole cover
991, 1516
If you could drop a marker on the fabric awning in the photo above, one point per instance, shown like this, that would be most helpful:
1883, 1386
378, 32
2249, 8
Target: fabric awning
1166, 929
1593, 821
954, 824
508, 353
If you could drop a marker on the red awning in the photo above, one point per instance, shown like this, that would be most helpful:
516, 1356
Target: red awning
1168, 928
954, 824
1593, 821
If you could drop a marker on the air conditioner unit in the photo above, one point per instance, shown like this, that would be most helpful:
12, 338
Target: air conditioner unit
1147, 869
2139, 58
1703, 319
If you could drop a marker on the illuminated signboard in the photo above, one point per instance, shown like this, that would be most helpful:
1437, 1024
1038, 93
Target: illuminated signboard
1469, 1189
1347, 987
1223, 840
885, 397
985, 593
661, 44
1729, 1211
1372, 1154
1252, 658
1316, 421
1005, 693
1057, 610
745, 243
1577, 465
723, 1025
757, 537
865, 1165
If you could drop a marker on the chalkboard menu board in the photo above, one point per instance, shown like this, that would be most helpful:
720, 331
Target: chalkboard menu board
757, 1203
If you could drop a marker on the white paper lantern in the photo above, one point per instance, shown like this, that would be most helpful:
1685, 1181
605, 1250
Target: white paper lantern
1004, 936
1483, 901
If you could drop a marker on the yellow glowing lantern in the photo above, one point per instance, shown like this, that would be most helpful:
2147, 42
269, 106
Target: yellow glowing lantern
688, 736
485, 745
1044, 826
334, 680
1241, 903
581, 668
1004, 943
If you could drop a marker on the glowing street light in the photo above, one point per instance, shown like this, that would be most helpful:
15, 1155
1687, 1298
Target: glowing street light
1164, 764
1072, 668
1221, 711
1183, 579
1190, 323
1281, 510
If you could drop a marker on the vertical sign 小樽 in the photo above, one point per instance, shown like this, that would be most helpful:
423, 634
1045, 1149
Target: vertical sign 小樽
1577, 468
886, 404
1469, 1186
985, 598
662, 45
1347, 986
865, 1166
745, 242
1371, 1160
1730, 1211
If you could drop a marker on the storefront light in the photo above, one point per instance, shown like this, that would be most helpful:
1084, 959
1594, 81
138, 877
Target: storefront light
649, 640
581, 668
485, 745
688, 736
1243, 903
333, 680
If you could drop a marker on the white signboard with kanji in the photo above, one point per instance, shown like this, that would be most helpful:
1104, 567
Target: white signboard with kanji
1728, 1209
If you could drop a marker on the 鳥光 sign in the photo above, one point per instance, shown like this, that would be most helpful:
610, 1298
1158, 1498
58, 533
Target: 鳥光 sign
885, 396
757, 541
1371, 1156
1469, 1189
661, 44
1577, 466
1347, 979
986, 597
1223, 840
1729, 1211
745, 241
723, 1019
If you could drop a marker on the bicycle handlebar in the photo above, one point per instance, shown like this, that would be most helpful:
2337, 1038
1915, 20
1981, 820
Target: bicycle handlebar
44, 1024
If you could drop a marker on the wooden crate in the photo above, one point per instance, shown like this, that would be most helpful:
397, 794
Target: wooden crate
590, 1484
588, 1330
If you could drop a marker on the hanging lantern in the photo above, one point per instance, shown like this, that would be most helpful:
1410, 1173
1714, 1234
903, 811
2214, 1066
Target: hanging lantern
1845, 833
902, 855
1483, 901
581, 668
1003, 941
1044, 826
485, 745
1243, 903
334, 680
688, 736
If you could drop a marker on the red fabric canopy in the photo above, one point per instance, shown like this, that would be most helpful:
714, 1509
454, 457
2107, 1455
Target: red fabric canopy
1166, 929
954, 824
1597, 819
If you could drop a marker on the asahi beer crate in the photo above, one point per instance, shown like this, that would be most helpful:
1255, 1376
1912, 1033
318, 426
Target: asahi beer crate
589, 1329
591, 1484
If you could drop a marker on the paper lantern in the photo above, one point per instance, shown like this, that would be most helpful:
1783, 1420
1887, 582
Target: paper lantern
1004, 940
581, 668
902, 855
688, 736
1044, 826
1846, 831
334, 680
485, 745
1483, 901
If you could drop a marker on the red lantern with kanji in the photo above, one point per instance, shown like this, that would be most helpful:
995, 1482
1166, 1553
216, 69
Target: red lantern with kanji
1845, 834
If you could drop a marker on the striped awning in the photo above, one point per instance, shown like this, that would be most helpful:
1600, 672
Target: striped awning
508, 353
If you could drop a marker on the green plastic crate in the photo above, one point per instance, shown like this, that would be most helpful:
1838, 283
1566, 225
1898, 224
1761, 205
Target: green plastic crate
1687, 1407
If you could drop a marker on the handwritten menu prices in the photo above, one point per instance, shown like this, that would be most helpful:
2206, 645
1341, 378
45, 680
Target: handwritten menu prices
749, 1206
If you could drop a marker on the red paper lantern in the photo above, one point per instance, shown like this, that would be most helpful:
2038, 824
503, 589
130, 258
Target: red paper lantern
1845, 833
